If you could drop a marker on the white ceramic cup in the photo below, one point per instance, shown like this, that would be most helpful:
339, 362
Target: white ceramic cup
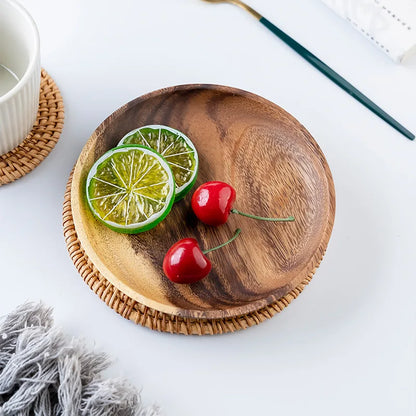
19, 58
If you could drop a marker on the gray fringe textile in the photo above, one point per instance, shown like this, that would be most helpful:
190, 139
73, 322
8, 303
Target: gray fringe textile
42, 373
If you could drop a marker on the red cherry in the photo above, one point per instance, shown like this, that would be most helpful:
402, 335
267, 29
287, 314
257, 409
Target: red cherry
185, 262
212, 202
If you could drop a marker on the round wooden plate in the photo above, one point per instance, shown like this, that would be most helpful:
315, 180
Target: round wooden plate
276, 168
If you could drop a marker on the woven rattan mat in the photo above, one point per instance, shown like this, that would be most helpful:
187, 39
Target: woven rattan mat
43, 137
151, 318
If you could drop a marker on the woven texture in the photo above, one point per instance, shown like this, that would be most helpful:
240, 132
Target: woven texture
43, 137
151, 318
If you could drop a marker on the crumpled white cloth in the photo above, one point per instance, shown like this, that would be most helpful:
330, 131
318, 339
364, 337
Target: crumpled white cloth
389, 24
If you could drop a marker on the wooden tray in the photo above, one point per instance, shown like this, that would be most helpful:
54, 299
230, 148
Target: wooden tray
277, 169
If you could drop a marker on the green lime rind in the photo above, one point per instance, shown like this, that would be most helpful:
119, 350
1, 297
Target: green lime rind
130, 189
177, 149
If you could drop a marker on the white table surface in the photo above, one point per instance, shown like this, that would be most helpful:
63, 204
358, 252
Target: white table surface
346, 346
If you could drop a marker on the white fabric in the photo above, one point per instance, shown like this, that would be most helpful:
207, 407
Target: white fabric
389, 24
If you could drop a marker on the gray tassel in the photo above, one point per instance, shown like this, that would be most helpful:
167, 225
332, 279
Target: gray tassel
42, 373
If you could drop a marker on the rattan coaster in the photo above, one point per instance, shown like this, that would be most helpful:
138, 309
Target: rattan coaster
151, 318
43, 137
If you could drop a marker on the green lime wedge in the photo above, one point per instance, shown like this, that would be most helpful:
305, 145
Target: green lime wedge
130, 189
175, 147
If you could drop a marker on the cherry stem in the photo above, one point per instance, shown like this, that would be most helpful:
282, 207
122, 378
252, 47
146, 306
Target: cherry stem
237, 231
256, 217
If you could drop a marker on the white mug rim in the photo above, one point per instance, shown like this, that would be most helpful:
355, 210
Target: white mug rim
35, 57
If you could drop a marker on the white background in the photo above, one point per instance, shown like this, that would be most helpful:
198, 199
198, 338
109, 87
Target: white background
347, 345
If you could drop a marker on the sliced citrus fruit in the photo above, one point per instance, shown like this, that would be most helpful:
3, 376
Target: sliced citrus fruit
130, 189
175, 147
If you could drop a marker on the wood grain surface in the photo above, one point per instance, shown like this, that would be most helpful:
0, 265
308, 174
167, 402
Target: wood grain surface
276, 168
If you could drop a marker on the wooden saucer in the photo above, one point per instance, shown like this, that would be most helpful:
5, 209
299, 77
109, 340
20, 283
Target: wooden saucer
153, 319
276, 168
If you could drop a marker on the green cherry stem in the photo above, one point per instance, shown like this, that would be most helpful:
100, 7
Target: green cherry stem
256, 217
237, 232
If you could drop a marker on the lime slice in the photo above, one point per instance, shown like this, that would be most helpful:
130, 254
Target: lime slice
175, 147
130, 189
